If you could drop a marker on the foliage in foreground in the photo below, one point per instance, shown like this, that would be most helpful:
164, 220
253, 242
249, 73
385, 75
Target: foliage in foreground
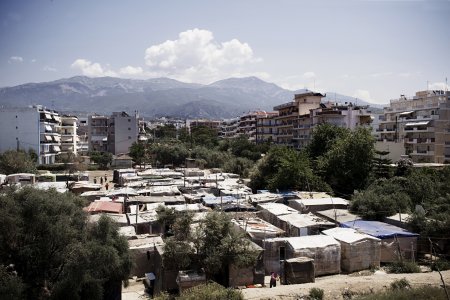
45, 235
403, 267
211, 290
422, 293
12, 162
315, 294
400, 284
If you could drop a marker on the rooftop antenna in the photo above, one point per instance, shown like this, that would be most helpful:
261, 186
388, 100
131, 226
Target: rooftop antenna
446, 85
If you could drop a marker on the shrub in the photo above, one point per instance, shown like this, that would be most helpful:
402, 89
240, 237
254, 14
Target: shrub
400, 284
211, 290
440, 265
425, 292
316, 294
403, 267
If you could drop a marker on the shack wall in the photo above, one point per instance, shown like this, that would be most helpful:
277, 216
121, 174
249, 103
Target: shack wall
360, 255
327, 260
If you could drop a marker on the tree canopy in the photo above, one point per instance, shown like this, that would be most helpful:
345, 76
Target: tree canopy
45, 235
284, 168
12, 162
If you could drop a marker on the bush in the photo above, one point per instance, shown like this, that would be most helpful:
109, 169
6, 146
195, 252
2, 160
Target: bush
211, 290
400, 284
403, 267
426, 292
316, 294
52, 168
440, 265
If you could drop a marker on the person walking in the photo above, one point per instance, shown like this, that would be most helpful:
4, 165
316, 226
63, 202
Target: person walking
101, 180
106, 186
95, 179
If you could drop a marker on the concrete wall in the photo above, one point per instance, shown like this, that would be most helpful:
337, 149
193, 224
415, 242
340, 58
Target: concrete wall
360, 255
396, 150
19, 125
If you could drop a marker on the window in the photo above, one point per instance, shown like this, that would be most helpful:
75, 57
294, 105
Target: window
129, 128
129, 120
129, 137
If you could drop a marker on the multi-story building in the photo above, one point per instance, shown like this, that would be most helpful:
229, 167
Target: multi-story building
229, 128
115, 133
69, 136
33, 128
213, 124
295, 113
248, 124
123, 131
98, 133
419, 126
265, 127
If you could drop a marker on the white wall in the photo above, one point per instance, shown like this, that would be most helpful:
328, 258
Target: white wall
21, 125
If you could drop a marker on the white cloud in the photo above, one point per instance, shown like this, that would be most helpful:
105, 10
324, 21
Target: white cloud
33, 60
309, 75
197, 56
49, 69
15, 59
89, 68
131, 71
439, 86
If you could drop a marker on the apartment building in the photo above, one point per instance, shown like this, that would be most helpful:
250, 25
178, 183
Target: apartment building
213, 124
294, 117
123, 131
35, 128
417, 126
115, 133
69, 136
265, 127
229, 128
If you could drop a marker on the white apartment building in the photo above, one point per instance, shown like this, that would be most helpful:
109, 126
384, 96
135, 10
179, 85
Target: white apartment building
33, 128
417, 126
69, 136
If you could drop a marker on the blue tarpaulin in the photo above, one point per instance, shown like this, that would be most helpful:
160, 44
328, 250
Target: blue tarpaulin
378, 229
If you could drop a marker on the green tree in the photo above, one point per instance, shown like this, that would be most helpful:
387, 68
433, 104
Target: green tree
102, 159
211, 290
46, 236
12, 162
381, 168
218, 245
202, 135
168, 131
323, 139
284, 168
213, 246
382, 198
348, 163
139, 152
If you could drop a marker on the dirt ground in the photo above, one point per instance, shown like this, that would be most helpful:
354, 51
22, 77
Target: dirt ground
334, 286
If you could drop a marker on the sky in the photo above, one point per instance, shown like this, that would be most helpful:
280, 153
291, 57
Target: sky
374, 50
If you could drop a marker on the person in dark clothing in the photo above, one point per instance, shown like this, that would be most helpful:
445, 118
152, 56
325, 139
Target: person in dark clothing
101, 180
273, 279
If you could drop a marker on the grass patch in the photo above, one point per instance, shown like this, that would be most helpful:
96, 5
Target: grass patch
426, 292
440, 265
403, 267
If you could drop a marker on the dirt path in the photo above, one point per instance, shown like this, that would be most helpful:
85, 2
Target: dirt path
335, 285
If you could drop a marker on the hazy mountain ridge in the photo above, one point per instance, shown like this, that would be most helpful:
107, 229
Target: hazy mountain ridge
155, 97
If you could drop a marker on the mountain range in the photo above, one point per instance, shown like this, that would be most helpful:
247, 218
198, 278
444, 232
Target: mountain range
157, 97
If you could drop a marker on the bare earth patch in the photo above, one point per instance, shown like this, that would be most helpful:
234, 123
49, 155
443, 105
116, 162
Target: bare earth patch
337, 285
